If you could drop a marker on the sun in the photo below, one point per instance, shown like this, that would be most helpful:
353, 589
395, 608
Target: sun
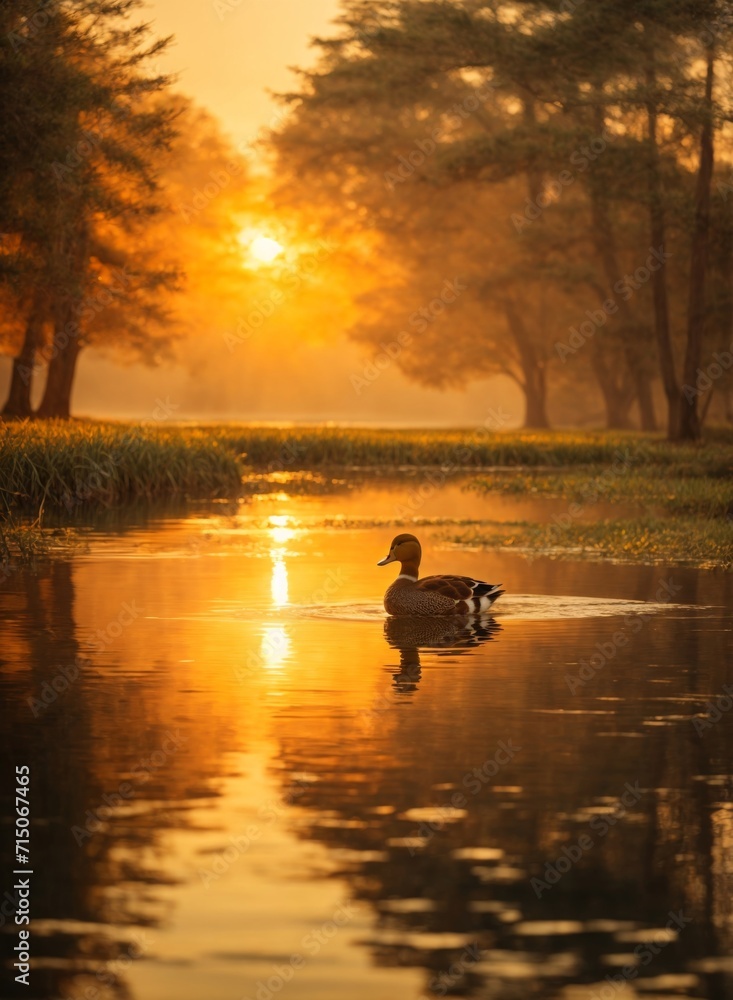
260, 248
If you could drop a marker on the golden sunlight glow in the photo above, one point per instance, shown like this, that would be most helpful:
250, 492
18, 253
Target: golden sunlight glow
265, 249
280, 534
279, 531
279, 581
261, 249
275, 646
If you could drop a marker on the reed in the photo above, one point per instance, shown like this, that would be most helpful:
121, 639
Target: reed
65, 463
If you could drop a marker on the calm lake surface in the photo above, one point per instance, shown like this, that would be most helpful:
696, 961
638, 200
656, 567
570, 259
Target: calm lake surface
247, 783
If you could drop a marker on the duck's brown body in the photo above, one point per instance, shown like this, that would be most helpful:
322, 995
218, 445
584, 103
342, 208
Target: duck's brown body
433, 595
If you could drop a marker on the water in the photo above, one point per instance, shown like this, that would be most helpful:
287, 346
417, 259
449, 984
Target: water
246, 783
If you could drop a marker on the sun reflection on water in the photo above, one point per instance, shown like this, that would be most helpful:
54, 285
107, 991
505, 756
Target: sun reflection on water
280, 534
274, 647
279, 581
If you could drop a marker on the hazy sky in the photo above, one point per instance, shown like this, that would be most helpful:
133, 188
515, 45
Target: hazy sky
228, 53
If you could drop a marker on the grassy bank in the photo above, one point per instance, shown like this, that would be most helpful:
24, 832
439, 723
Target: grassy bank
682, 541
660, 489
685, 492
66, 463
686, 510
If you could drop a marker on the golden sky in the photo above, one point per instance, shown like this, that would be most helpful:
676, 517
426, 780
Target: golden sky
229, 53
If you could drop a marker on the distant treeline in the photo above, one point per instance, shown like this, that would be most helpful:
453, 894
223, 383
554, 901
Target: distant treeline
570, 161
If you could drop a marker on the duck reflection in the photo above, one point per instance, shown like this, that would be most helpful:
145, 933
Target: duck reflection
456, 634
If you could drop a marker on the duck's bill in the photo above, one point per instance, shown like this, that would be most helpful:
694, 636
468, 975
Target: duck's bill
387, 559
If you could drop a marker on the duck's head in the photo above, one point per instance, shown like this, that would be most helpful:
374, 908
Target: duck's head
404, 549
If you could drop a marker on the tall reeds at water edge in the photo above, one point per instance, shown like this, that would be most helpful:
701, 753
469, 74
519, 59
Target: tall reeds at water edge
62, 463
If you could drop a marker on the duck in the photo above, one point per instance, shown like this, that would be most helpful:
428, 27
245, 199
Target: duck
433, 596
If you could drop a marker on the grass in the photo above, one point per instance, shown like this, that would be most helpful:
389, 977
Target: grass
63, 463
59, 466
660, 488
694, 491
700, 542
21, 544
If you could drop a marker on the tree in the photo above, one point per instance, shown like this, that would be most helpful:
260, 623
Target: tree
379, 156
36, 89
82, 64
647, 54
561, 77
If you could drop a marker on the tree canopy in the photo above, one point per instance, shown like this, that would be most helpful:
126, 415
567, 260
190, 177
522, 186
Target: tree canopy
559, 158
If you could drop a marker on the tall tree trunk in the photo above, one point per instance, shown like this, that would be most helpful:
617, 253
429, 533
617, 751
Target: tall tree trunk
67, 346
645, 402
616, 399
534, 381
534, 378
56, 400
689, 421
658, 233
605, 243
535, 394
18, 403
728, 404
723, 264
